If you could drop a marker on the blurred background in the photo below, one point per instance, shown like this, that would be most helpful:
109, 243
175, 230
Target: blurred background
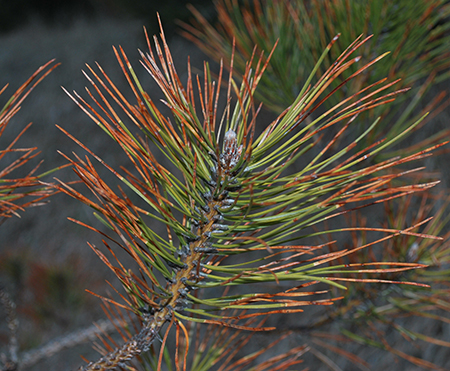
45, 262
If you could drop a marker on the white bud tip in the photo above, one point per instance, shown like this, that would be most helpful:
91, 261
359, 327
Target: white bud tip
230, 135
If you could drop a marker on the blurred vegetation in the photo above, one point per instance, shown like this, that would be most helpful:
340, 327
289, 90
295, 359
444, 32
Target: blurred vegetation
415, 33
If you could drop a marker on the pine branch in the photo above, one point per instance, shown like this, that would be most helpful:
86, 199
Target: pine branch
138, 344
234, 193
15, 190
191, 256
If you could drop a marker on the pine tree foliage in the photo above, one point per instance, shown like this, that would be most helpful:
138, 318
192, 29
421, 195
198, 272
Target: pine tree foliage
236, 214
416, 33
20, 191
386, 307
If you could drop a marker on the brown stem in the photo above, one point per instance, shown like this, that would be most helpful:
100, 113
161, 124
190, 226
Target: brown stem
139, 343
142, 341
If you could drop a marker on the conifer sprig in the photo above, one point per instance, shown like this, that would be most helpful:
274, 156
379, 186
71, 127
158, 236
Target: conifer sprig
20, 191
220, 186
